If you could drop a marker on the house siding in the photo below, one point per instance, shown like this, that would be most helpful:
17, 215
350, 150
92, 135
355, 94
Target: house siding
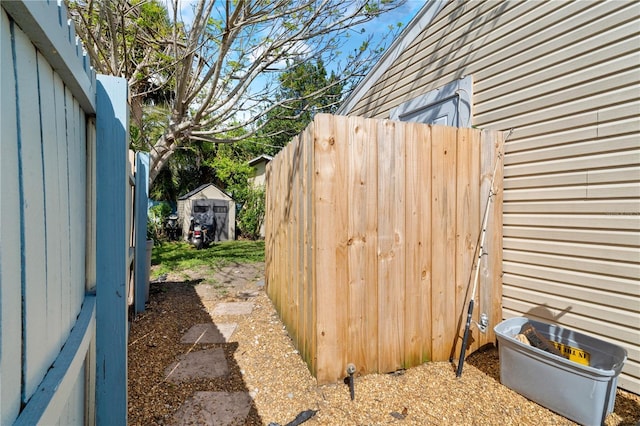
565, 76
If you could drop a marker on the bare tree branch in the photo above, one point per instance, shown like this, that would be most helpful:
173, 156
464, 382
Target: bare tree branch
218, 71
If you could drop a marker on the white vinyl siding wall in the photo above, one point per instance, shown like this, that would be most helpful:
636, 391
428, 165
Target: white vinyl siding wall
565, 76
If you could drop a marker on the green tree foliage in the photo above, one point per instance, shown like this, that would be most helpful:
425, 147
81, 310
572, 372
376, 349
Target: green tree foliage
303, 82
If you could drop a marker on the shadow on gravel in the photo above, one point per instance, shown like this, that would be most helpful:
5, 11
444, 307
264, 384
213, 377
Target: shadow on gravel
155, 346
486, 360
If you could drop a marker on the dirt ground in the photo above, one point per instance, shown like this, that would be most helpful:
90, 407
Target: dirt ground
264, 363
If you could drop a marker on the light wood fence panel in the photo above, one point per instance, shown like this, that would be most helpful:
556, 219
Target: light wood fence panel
372, 228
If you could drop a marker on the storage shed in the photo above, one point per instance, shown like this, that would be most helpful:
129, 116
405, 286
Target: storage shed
210, 206
564, 76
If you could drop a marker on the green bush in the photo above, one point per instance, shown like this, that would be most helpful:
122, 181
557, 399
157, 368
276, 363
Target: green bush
251, 216
155, 221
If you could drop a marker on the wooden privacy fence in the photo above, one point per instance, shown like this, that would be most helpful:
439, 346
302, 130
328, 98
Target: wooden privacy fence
371, 231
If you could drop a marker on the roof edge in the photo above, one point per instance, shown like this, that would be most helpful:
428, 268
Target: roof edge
422, 20
202, 187
260, 157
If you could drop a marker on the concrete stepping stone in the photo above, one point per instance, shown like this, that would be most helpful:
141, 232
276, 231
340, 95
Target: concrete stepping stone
209, 363
233, 308
214, 408
209, 333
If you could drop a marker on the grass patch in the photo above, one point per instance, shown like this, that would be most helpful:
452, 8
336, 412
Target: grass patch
180, 256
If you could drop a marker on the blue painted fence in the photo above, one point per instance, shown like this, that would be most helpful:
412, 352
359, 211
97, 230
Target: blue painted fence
64, 237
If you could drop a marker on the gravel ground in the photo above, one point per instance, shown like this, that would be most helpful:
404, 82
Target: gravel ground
264, 363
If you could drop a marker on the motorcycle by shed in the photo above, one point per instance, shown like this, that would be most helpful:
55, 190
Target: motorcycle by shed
199, 235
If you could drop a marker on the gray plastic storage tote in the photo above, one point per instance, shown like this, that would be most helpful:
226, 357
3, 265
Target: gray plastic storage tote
582, 393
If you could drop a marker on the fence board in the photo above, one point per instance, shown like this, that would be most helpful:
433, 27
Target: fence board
362, 245
140, 229
329, 342
52, 210
62, 193
443, 233
10, 246
341, 232
418, 261
32, 207
370, 231
61, 381
79, 206
390, 246
310, 307
467, 225
491, 288
111, 251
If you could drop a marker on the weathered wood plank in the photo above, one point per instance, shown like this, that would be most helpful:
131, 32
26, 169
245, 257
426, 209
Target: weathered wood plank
341, 230
362, 196
329, 346
291, 241
490, 295
300, 247
309, 248
468, 219
391, 236
417, 337
443, 182
10, 240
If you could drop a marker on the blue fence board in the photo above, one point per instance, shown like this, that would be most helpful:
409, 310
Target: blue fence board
61, 381
56, 335
10, 265
111, 251
141, 275
32, 224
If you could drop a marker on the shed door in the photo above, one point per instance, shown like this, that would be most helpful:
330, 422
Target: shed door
215, 214
221, 215
202, 211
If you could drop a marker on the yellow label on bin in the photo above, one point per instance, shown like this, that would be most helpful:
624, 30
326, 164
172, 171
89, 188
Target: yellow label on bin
573, 354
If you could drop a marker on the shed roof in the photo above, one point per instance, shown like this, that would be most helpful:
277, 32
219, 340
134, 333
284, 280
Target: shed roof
200, 189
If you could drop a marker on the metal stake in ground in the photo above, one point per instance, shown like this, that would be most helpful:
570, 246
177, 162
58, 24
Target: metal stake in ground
350, 370
481, 252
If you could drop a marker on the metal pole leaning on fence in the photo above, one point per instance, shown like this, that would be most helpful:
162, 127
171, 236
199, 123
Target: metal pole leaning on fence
480, 251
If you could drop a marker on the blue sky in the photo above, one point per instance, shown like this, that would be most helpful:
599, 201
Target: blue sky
403, 14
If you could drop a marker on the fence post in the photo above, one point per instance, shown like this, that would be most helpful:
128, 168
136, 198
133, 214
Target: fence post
111, 250
141, 274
